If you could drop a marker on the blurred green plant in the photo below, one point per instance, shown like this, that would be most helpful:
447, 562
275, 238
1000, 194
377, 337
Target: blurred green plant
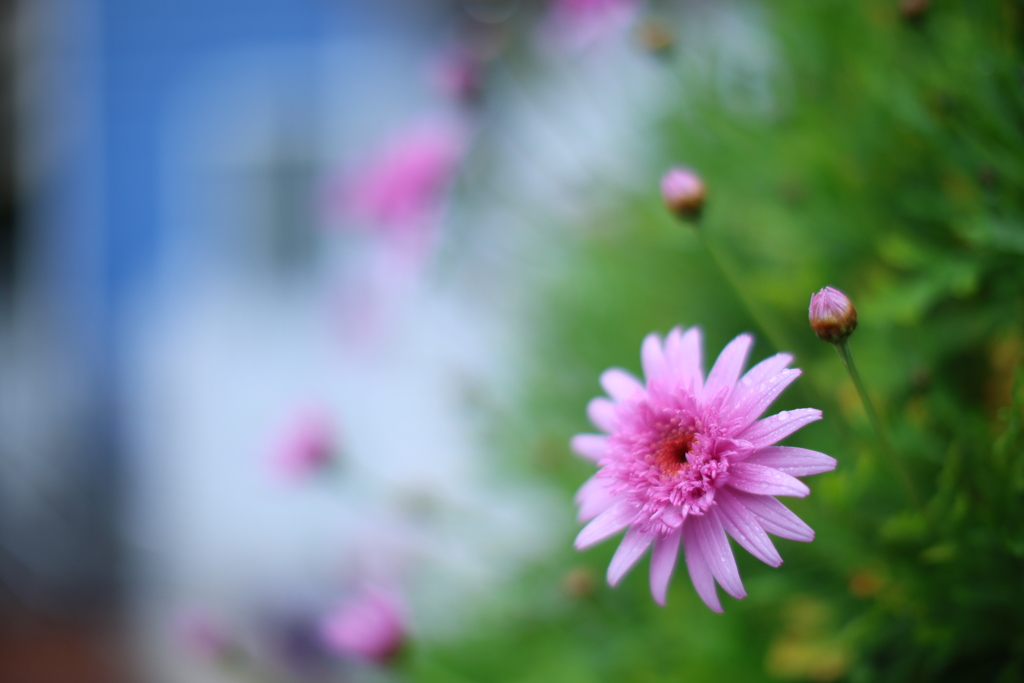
888, 161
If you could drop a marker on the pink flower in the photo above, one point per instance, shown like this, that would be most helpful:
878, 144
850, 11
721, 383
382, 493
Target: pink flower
397, 196
832, 315
305, 446
400, 190
371, 627
685, 459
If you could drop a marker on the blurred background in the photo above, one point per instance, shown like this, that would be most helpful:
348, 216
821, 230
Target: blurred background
302, 300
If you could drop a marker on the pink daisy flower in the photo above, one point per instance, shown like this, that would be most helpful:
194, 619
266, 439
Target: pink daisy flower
685, 460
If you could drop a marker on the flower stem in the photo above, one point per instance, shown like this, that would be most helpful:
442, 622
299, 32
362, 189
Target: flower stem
771, 331
843, 349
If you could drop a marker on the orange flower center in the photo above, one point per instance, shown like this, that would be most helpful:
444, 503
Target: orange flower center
670, 453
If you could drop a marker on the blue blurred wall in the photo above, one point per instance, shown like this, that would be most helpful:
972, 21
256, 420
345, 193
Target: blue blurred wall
145, 48
95, 224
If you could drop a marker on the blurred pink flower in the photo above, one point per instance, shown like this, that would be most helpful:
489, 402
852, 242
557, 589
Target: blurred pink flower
579, 23
398, 196
370, 626
400, 190
305, 446
685, 459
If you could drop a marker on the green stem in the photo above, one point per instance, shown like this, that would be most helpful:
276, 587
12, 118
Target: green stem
770, 330
775, 335
843, 349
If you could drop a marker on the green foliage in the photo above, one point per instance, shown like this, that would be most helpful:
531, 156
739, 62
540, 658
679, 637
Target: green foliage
888, 162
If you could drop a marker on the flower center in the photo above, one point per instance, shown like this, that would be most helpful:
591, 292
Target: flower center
670, 453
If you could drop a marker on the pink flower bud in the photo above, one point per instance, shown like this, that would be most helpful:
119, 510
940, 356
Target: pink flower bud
369, 627
655, 37
832, 315
683, 192
914, 10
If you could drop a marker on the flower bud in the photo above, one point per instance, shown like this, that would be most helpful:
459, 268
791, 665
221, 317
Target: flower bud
914, 10
683, 192
655, 37
579, 583
832, 315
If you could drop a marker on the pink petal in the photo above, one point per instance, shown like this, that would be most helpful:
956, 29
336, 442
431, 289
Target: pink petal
594, 498
757, 399
672, 350
796, 462
766, 368
633, 546
673, 516
591, 446
717, 552
728, 366
700, 573
765, 481
620, 385
774, 428
652, 359
601, 412
774, 517
663, 561
741, 524
609, 522
683, 353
